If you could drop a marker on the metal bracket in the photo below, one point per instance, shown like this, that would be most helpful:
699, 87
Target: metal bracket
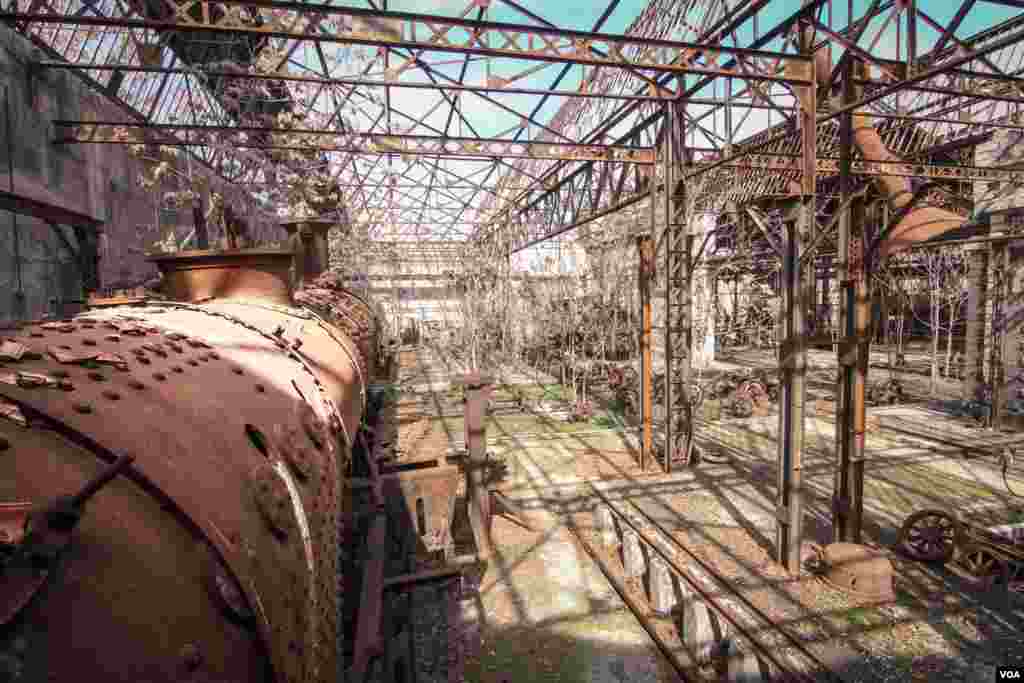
782, 514
848, 352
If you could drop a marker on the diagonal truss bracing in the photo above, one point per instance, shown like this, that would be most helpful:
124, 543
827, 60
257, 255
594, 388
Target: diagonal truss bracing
503, 120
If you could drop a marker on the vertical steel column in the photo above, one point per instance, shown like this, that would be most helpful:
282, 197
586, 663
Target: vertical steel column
18, 304
670, 272
478, 390
998, 252
645, 251
974, 342
678, 326
792, 349
850, 271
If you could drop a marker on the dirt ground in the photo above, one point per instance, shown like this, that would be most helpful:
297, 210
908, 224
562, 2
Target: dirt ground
942, 626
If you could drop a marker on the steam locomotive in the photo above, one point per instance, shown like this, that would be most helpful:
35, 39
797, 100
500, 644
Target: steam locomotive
170, 477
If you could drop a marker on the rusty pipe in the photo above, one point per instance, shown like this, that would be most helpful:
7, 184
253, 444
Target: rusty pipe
919, 224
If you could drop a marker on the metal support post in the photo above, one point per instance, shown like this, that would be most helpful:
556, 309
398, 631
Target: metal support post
847, 505
645, 250
478, 390
998, 253
678, 292
792, 342
791, 404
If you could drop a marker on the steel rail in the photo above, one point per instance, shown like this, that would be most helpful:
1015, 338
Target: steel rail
710, 599
632, 604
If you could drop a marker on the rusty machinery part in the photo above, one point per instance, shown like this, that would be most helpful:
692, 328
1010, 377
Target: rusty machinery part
930, 536
226, 534
886, 391
984, 563
858, 570
292, 350
741, 406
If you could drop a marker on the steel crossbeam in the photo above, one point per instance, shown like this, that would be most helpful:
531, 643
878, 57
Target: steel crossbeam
420, 32
242, 137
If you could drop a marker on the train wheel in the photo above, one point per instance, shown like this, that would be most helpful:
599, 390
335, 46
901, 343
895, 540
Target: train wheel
930, 536
742, 407
983, 564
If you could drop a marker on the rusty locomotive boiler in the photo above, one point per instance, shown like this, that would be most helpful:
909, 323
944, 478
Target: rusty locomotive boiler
209, 550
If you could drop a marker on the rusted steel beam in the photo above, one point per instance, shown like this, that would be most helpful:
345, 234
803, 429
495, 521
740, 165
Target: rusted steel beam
407, 581
393, 139
463, 36
493, 85
369, 643
434, 148
847, 503
645, 248
792, 345
478, 390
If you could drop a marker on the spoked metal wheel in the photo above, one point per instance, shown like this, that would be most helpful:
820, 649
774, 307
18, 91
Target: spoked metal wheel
983, 564
742, 407
696, 393
930, 536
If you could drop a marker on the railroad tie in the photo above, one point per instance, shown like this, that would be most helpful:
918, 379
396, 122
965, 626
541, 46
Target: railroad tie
632, 555
606, 523
699, 632
662, 588
744, 666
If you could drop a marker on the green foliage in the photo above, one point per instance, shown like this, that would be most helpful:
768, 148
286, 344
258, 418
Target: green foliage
859, 616
391, 393
556, 392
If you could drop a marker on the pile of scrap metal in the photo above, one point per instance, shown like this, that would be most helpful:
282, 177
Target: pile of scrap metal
742, 392
887, 392
990, 556
738, 392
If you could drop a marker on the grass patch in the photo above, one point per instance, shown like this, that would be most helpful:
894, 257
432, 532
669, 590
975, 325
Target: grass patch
859, 616
521, 655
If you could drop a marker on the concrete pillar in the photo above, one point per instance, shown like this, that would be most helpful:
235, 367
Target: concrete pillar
974, 342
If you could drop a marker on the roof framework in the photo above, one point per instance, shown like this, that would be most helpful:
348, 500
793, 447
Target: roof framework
499, 122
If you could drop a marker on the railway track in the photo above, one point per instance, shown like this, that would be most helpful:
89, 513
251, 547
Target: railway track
714, 630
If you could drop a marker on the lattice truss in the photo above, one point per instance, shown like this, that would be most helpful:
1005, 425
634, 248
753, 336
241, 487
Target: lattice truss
505, 122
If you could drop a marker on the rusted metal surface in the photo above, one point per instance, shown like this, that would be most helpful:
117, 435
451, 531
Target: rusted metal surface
239, 414
858, 570
371, 605
477, 391
429, 496
193, 276
133, 574
987, 556
13, 517
645, 247
309, 239
930, 535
